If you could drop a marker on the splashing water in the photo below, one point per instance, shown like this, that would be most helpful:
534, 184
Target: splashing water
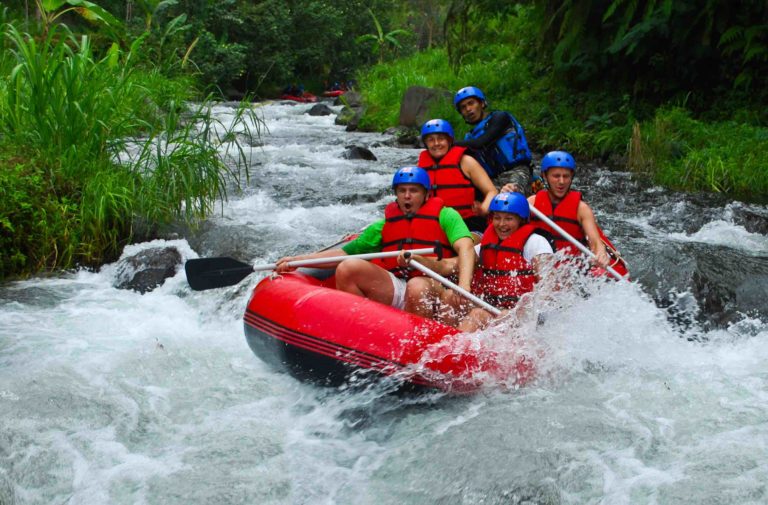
109, 396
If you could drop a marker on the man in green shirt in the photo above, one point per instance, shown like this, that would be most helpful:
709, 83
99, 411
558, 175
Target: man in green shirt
412, 221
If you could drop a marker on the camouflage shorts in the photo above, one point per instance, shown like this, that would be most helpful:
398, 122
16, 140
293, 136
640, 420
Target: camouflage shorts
520, 175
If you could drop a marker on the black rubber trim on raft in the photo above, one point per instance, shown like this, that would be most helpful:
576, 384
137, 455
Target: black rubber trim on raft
337, 353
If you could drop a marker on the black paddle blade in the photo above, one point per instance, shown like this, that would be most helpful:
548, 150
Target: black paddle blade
210, 273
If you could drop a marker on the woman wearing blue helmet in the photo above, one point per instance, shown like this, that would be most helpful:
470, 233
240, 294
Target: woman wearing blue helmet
412, 221
512, 256
456, 178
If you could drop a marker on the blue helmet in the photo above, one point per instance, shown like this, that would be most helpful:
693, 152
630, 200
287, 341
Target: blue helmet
467, 92
513, 203
437, 126
557, 159
411, 175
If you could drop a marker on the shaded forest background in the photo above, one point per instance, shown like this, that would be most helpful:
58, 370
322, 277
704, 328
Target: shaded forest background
654, 50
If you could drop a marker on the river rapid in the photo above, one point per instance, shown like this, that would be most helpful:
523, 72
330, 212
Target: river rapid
650, 392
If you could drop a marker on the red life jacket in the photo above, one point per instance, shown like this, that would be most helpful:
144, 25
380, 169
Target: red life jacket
448, 181
413, 231
565, 215
504, 275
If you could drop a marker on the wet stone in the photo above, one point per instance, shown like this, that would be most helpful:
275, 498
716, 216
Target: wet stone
753, 219
320, 110
148, 269
358, 153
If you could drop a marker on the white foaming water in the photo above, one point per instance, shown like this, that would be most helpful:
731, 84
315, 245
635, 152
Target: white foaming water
720, 232
109, 396
727, 234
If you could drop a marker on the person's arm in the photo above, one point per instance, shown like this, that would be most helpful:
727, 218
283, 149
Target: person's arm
282, 264
538, 251
369, 241
498, 123
459, 236
445, 267
588, 223
543, 263
480, 180
465, 249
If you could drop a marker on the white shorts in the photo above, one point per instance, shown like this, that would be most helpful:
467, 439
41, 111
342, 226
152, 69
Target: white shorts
398, 298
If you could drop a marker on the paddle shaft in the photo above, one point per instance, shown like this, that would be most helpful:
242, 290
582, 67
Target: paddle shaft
572, 240
339, 259
447, 283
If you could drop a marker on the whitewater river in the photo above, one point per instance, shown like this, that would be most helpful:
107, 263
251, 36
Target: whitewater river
651, 392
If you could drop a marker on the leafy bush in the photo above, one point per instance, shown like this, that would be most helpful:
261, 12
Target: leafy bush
71, 191
682, 152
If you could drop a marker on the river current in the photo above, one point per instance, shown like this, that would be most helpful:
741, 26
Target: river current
649, 392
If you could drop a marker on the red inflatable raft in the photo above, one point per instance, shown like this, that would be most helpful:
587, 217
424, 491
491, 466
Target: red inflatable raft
334, 93
305, 98
300, 323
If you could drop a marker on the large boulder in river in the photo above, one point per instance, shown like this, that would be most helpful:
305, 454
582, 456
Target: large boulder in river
147, 269
753, 218
358, 153
350, 99
349, 117
352, 111
320, 109
417, 100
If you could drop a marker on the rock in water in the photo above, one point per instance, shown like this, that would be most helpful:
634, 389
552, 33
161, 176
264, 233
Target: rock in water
148, 269
358, 153
320, 110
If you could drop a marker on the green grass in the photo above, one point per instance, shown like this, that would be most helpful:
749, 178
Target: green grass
67, 116
552, 118
685, 153
668, 145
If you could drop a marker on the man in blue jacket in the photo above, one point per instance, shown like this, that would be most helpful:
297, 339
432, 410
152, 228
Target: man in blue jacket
497, 140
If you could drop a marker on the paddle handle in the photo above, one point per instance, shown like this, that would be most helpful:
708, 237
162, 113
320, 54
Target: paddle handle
445, 282
572, 240
339, 259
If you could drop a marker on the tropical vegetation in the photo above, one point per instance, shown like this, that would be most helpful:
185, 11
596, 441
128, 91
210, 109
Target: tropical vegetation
106, 133
97, 148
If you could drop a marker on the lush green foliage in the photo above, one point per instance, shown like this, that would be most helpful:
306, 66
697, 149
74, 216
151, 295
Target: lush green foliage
655, 51
723, 150
552, 116
71, 194
685, 153
35, 225
260, 46
257, 46
381, 42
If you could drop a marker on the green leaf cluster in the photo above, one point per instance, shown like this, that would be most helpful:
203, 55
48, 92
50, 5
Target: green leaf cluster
99, 150
685, 153
655, 51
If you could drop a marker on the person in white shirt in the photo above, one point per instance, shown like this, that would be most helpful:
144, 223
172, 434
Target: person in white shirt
511, 256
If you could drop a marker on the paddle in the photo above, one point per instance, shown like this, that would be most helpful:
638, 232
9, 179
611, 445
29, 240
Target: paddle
572, 240
447, 283
210, 273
